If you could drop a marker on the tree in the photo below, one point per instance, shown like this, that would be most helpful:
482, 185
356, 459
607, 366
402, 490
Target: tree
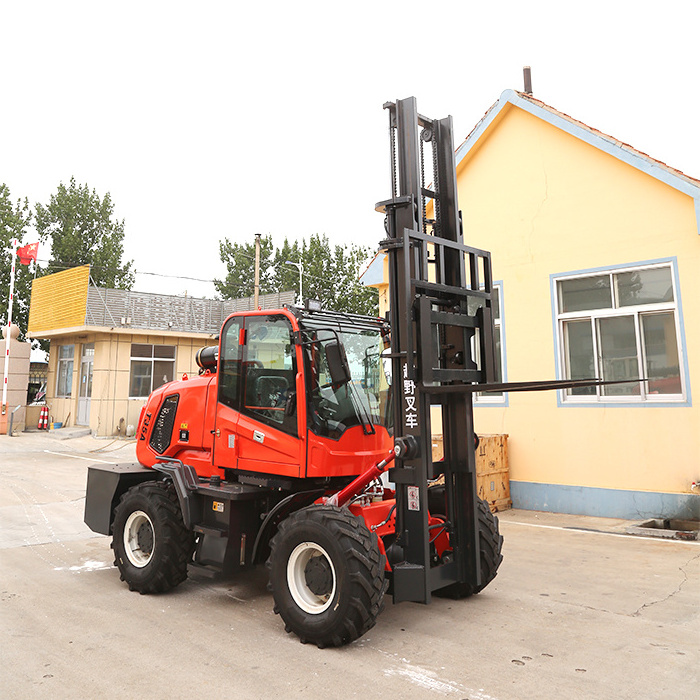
349, 293
240, 265
81, 229
330, 274
14, 221
285, 277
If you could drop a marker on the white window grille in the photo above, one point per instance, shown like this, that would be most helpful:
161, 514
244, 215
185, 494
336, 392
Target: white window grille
64, 373
151, 367
621, 324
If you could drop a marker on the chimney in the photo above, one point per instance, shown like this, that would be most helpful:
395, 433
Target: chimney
528, 80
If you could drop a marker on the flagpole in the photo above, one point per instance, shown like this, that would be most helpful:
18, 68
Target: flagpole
9, 326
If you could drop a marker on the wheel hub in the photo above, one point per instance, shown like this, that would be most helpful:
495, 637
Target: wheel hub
319, 577
144, 538
139, 539
311, 578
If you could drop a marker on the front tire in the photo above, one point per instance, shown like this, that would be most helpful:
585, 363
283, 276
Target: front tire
326, 575
152, 546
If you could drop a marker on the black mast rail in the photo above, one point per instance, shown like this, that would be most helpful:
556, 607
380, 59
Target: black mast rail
442, 336
442, 350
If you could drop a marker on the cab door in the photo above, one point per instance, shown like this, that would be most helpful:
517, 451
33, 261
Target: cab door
267, 431
229, 389
256, 423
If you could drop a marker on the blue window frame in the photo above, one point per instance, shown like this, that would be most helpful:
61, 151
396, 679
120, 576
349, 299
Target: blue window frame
621, 323
496, 398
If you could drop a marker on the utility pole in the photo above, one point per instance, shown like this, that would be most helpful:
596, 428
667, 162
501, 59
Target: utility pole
256, 293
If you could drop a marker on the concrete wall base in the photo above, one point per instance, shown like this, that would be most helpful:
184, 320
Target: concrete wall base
604, 503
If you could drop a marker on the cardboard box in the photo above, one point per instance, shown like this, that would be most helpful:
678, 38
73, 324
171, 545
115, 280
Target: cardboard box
492, 473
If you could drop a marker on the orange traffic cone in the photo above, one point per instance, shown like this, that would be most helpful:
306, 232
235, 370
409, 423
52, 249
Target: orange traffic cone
44, 418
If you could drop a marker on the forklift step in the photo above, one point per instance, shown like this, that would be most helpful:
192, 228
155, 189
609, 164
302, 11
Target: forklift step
209, 530
204, 569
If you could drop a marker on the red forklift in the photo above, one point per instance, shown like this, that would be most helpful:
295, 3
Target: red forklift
305, 442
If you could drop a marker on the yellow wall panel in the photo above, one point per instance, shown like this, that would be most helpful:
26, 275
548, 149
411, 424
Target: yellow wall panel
59, 300
545, 202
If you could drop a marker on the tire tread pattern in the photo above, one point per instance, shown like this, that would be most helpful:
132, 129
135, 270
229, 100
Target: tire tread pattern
490, 556
174, 542
365, 580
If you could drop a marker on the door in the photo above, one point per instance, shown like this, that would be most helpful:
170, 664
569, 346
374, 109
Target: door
228, 402
268, 439
85, 390
256, 416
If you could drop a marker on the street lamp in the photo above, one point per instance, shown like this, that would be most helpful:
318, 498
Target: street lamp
300, 267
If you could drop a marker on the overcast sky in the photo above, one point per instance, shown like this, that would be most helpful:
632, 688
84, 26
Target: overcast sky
220, 119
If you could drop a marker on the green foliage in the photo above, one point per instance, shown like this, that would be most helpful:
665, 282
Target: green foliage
330, 273
14, 220
285, 276
82, 231
240, 265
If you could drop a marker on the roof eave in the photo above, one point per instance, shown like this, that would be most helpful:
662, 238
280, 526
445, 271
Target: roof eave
597, 139
57, 333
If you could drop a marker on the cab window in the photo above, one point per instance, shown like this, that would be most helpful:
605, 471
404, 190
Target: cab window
229, 369
269, 372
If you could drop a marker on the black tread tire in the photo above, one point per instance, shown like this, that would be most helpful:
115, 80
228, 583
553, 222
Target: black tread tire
173, 543
356, 600
490, 544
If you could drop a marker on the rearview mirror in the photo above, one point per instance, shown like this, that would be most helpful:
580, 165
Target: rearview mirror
337, 363
290, 406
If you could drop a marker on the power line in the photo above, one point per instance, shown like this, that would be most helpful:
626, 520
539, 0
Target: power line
177, 277
57, 266
277, 266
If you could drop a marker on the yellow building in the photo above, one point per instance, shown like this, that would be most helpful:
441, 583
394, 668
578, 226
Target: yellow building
110, 347
596, 256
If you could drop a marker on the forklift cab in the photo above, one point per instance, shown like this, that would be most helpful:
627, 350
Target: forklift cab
300, 394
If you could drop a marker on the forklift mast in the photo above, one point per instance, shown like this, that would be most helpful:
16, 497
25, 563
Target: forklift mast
442, 346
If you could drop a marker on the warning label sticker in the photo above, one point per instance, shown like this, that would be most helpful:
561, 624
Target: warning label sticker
413, 498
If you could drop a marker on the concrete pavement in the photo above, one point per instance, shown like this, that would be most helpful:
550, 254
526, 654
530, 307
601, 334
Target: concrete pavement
578, 610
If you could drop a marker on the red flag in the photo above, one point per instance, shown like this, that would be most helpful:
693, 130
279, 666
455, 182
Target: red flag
27, 253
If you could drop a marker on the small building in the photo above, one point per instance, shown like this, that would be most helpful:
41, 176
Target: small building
596, 261
110, 347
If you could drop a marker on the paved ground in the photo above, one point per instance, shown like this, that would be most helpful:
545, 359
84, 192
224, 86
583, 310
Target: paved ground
576, 611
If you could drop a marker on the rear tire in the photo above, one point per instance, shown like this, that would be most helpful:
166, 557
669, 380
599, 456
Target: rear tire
326, 575
152, 546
